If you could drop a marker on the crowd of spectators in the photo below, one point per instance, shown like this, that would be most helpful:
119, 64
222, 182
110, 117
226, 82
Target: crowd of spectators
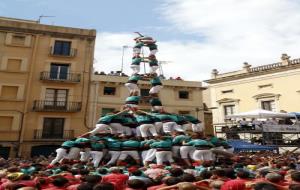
258, 171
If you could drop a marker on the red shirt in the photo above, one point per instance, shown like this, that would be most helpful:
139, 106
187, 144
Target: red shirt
119, 180
235, 184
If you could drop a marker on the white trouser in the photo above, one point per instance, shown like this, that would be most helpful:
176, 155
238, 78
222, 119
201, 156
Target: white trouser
169, 126
96, 157
132, 87
85, 155
144, 128
116, 128
155, 89
153, 69
230, 150
128, 131
204, 155
60, 154
186, 126
136, 68
162, 156
175, 151
157, 108
153, 52
100, 128
73, 153
150, 156
133, 153
197, 127
158, 127
138, 131
186, 152
114, 157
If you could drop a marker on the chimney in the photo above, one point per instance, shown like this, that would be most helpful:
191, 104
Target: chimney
285, 59
214, 73
246, 67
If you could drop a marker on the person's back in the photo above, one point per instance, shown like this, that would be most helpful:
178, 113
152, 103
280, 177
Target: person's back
117, 178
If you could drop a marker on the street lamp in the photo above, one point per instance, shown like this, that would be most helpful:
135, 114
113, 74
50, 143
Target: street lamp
123, 49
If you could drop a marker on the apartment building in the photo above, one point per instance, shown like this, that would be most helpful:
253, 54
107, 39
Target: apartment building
108, 94
271, 87
45, 72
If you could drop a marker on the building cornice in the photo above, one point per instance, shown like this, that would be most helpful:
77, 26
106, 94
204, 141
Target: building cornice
252, 74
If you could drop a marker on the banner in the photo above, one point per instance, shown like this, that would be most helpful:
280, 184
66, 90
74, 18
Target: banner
281, 128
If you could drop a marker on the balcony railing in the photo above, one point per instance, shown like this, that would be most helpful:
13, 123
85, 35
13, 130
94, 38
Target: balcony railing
265, 67
60, 77
41, 134
56, 106
71, 53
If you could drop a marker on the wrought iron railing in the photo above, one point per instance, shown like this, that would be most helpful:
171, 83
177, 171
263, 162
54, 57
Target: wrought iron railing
72, 52
42, 134
60, 77
56, 106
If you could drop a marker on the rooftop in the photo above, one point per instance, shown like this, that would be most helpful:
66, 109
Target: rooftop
249, 71
31, 26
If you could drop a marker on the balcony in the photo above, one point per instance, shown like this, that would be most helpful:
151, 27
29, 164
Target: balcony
39, 134
71, 53
56, 106
60, 77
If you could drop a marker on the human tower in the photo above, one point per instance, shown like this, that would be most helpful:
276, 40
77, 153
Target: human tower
144, 137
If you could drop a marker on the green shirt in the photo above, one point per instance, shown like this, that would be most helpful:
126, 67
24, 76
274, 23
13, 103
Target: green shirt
96, 146
113, 144
199, 142
131, 144
69, 144
138, 45
82, 140
143, 119
134, 78
162, 117
162, 144
153, 62
133, 99
136, 61
155, 81
180, 138
155, 102
105, 119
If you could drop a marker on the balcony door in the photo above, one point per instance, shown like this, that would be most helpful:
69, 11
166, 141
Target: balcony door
62, 48
56, 98
53, 128
59, 71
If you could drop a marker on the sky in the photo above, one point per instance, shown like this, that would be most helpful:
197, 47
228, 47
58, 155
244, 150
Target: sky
193, 36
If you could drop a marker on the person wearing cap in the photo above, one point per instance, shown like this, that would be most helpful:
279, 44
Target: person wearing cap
135, 64
130, 148
163, 147
156, 86
146, 124
97, 146
114, 149
148, 153
132, 83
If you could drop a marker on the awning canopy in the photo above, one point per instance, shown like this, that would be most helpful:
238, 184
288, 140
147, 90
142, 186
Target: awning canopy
240, 145
260, 113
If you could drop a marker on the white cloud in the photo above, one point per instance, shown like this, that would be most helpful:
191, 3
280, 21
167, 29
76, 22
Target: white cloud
227, 33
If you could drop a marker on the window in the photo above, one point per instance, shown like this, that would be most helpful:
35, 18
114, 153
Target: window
14, 64
105, 111
109, 90
227, 91
62, 48
56, 98
268, 105
6, 123
265, 86
183, 94
145, 92
59, 71
184, 112
229, 110
9, 92
18, 40
53, 128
